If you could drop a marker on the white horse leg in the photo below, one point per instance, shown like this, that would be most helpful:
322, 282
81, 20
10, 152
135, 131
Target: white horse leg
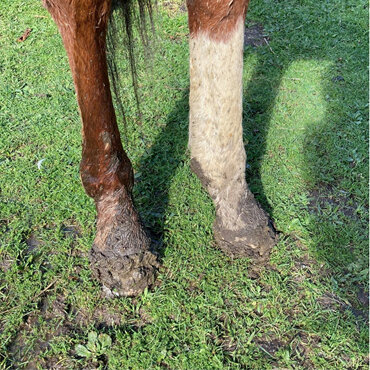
215, 129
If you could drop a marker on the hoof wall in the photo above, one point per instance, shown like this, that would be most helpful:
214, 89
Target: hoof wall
124, 276
254, 235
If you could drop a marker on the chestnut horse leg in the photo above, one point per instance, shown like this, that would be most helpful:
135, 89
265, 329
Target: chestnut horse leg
120, 257
242, 228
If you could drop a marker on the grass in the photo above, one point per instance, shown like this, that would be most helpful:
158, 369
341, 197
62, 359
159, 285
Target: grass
305, 121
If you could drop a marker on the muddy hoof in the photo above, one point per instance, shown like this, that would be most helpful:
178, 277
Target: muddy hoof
125, 276
120, 257
252, 235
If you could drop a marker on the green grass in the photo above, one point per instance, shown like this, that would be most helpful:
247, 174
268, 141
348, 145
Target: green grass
305, 120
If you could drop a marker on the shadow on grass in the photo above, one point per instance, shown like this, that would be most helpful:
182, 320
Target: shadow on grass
158, 168
336, 229
328, 147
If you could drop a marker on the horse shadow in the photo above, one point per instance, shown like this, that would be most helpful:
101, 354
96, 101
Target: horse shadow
158, 168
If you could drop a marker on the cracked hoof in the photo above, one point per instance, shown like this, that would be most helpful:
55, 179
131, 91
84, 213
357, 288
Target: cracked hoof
252, 235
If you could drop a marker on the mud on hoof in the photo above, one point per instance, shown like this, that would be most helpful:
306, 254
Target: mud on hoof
121, 258
252, 235
126, 276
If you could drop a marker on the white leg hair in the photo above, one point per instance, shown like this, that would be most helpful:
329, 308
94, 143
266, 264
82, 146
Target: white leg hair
218, 157
215, 132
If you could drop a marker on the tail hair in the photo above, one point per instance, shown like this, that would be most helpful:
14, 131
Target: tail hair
126, 15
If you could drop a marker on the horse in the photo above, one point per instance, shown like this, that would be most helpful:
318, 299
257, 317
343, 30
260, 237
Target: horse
121, 257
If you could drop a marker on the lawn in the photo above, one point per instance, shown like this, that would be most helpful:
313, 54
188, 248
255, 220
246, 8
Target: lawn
306, 136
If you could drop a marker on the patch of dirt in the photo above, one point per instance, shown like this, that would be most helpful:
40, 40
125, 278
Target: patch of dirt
20, 352
56, 309
226, 343
325, 197
306, 267
254, 35
332, 302
24, 348
33, 243
269, 345
102, 316
360, 314
363, 297
302, 346
6, 262
224, 338
56, 317
193, 286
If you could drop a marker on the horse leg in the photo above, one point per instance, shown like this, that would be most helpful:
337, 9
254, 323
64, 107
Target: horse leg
120, 257
242, 228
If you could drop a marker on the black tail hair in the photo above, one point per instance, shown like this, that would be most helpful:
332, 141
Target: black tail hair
125, 16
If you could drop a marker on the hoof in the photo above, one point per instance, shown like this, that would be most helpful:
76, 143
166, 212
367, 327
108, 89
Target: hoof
124, 276
120, 257
252, 235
